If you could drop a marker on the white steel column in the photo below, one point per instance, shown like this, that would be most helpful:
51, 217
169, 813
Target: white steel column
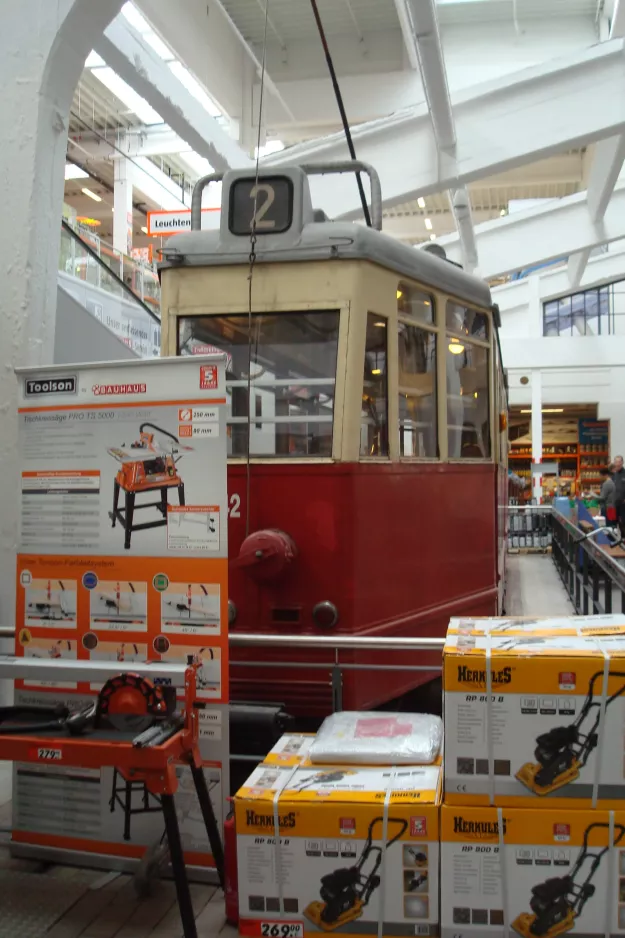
537, 436
42, 53
122, 202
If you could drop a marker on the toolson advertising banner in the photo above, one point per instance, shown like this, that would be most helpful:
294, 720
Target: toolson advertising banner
122, 557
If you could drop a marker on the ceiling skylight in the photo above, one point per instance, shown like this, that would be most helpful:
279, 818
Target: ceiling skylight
127, 95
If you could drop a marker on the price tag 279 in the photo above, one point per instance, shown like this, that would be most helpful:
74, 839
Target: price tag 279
282, 929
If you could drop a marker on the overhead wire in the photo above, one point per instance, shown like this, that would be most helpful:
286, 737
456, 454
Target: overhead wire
250, 278
341, 107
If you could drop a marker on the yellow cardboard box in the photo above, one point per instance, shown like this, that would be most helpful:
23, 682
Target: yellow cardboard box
524, 871
338, 848
529, 717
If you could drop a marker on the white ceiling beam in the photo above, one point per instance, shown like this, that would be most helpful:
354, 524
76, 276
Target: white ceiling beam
424, 24
559, 229
526, 116
271, 85
407, 33
606, 165
124, 50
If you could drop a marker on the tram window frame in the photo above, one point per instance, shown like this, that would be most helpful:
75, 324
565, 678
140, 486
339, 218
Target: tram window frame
406, 321
458, 334
376, 325
298, 426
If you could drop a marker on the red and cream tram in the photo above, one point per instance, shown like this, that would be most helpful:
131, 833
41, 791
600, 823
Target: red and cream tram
377, 478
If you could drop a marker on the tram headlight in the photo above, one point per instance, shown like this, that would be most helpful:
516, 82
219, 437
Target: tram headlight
325, 615
232, 612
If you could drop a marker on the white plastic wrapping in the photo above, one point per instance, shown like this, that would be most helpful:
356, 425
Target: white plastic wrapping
378, 738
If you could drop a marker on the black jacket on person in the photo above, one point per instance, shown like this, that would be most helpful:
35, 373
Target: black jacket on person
619, 483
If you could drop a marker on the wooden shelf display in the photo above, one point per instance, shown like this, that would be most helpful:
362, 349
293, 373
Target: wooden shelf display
580, 447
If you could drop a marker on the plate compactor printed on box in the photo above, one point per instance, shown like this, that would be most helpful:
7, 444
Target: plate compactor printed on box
530, 872
339, 849
536, 716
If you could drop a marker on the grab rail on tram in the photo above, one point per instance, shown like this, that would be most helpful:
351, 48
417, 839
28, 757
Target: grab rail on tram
311, 169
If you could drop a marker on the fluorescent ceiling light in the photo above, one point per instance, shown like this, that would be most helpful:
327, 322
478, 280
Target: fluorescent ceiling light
144, 230
94, 60
92, 195
428, 223
547, 410
128, 95
74, 172
193, 86
421, 202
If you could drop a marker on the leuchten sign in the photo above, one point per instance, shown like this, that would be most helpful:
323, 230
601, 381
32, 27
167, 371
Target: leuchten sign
166, 223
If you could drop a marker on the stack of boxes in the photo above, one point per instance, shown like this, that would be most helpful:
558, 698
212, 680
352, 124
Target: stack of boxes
357, 851
529, 838
533, 819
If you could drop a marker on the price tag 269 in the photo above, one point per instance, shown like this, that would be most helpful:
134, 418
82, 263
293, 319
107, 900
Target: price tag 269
282, 929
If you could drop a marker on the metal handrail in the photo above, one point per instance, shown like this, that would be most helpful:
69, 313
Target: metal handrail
604, 560
351, 642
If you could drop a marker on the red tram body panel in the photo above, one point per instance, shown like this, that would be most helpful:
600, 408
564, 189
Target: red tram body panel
397, 548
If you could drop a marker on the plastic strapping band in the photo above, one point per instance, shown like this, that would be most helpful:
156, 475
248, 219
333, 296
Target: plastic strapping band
502, 874
276, 830
600, 727
489, 720
387, 801
610, 903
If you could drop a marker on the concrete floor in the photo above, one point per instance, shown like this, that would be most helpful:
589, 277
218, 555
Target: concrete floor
534, 587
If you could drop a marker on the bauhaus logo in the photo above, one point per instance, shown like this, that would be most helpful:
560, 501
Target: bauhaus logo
64, 385
99, 389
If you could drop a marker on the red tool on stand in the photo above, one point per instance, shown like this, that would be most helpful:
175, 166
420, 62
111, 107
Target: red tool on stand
134, 727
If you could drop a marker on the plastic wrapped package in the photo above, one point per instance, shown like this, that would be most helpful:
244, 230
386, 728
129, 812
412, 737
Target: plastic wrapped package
378, 738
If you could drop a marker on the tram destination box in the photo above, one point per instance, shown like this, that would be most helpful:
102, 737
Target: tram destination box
534, 713
338, 848
523, 871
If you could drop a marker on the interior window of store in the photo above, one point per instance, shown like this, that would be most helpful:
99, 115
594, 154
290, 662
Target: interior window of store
374, 419
468, 410
418, 425
600, 311
286, 365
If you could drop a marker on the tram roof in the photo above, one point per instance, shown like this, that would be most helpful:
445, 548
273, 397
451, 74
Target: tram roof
329, 240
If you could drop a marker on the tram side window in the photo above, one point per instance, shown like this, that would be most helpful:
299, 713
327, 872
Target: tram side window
418, 424
415, 304
285, 365
468, 411
374, 419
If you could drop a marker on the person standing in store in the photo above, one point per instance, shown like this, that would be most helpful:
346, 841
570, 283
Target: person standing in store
618, 477
607, 497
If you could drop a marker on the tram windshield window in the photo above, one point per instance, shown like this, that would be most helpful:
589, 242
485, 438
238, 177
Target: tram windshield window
468, 411
417, 392
415, 304
374, 419
286, 365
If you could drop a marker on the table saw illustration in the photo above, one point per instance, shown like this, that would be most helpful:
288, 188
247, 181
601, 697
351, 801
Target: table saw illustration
120, 605
51, 602
191, 604
208, 663
149, 464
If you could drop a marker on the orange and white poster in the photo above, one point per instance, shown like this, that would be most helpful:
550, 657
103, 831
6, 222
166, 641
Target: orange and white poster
122, 558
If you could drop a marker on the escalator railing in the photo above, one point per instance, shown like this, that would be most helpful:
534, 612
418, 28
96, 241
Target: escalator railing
120, 292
